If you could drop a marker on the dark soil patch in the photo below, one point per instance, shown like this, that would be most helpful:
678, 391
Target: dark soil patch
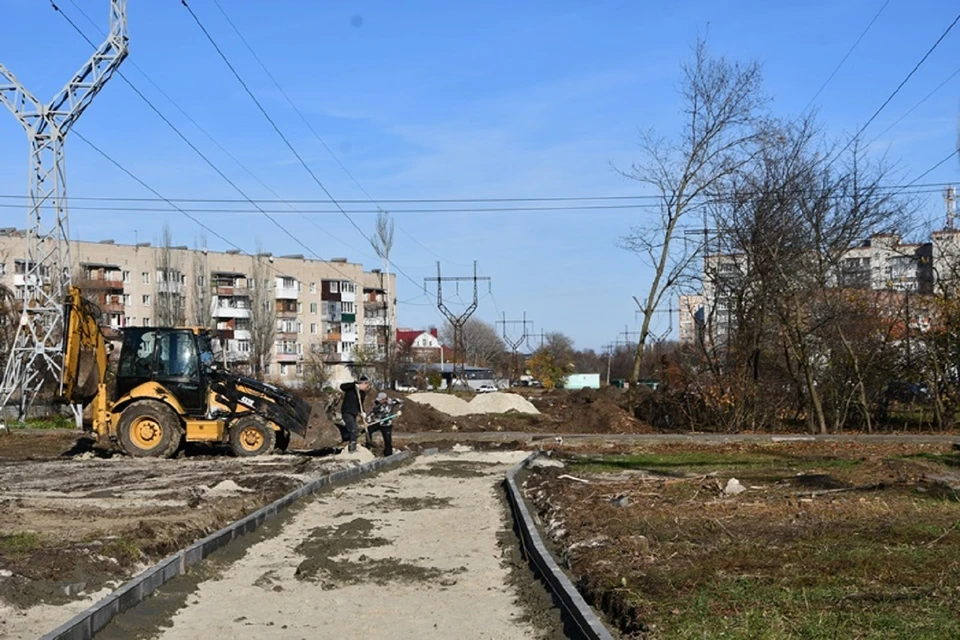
455, 469
828, 540
324, 562
41, 445
414, 504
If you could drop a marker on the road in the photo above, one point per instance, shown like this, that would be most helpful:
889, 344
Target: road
413, 552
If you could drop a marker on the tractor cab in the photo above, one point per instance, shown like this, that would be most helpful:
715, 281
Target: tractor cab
179, 359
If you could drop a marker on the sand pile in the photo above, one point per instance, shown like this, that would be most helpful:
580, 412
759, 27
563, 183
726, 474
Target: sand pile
486, 403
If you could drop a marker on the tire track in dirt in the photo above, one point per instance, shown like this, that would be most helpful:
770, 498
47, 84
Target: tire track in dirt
413, 552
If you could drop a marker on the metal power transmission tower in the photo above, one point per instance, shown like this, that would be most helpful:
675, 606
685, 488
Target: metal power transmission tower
36, 352
515, 344
457, 321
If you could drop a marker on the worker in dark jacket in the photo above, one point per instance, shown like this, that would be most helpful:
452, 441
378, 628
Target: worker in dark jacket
354, 393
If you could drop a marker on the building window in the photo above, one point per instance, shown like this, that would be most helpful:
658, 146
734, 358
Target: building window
347, 287
313, 307
299, 307
313, 328
145, 277
126, 277
313, 287
146, 322
243, 346
283, 369
146, 300
334, 286
299, 327
3, 268
348, 307
299, 369
126, 299
200, 281
346, 347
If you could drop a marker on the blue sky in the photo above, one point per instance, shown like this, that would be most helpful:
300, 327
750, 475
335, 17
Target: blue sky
460, 100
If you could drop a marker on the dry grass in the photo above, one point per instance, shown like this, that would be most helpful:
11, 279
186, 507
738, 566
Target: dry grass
828, 540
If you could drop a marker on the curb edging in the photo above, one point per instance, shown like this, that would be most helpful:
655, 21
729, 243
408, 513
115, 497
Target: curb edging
583, 616
85, 624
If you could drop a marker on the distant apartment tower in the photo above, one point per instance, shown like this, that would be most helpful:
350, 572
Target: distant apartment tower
323, 309
690, 321
880, 263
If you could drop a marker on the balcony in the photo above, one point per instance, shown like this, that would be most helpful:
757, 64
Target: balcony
332, 337
112, 307
230, 312
225, 334
241, 334
287, 293
286, 357
375, 321
98, 284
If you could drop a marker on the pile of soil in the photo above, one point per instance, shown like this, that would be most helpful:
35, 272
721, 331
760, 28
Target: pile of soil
589, 411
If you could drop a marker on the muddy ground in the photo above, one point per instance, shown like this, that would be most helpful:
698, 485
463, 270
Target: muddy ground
811, 539
78, 520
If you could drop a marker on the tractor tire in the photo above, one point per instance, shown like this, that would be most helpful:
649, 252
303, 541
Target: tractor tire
252, 436
149, 429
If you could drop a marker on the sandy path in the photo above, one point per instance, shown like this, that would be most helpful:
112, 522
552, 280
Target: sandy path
410, 553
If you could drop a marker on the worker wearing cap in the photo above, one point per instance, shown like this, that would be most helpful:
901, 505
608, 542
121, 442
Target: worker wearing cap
354, 394
381, 417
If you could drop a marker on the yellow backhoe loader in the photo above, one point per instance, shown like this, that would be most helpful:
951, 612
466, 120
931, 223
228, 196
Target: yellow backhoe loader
169, 389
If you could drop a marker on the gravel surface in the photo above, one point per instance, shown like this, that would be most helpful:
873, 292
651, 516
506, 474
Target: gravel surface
411, 553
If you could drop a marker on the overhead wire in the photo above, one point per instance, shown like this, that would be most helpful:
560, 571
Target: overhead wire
914, 107
899, 86
203, 156
199, 127
277, 129
315, 133
844, 59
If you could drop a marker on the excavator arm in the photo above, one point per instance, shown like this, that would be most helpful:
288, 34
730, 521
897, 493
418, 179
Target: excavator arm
84, 350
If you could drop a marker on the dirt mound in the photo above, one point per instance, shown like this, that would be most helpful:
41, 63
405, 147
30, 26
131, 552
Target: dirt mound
501, 403
481, 404
590, 410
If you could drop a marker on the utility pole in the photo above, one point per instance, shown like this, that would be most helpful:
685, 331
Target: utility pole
457, 321
608, 350
514, 344
37, 347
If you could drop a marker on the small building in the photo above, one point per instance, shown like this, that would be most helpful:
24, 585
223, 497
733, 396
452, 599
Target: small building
582, 381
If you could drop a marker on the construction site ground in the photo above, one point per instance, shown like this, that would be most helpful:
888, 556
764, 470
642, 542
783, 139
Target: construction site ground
79, 520
792, 539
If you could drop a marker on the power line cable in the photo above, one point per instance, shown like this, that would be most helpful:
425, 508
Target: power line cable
309, 126
914, 107
277, 129
900, 86
844, 59
200, 128
207, 160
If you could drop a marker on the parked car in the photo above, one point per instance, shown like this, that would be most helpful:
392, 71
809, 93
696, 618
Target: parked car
486, 388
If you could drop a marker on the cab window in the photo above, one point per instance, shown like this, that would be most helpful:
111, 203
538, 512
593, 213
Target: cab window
178, 355
137, 354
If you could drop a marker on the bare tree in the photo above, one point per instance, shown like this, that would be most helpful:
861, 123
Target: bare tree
482, 345
170, 311
316, 372
721, 105
382, 243
202, 294
263, 312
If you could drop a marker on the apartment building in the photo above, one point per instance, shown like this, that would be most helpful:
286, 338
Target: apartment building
323, 309
881, 263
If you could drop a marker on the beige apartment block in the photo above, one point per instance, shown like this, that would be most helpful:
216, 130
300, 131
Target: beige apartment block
324, 309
